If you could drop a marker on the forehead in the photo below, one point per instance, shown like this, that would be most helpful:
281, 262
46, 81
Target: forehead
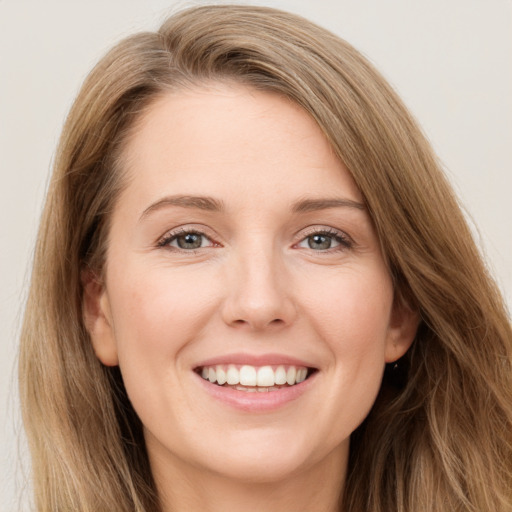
211, 139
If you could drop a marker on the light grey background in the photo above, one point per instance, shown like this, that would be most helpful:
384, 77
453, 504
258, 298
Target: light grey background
449, 60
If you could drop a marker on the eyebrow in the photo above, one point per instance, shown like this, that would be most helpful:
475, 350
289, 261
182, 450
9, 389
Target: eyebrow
311, 205
198, 202
214, 205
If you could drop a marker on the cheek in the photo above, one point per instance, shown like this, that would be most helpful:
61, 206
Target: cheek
158, 311
353, 309
352, 317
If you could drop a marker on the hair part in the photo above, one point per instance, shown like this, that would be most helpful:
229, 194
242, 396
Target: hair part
440, 439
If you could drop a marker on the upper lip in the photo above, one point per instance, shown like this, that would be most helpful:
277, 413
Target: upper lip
255, 360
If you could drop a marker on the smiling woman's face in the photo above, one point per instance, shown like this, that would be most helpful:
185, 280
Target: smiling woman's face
241, 261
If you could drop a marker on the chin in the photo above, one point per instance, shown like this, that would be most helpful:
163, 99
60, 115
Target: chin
247, 468
264, 457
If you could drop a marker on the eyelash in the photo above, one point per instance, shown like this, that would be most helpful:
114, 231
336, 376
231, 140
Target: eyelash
174, 235
344, 241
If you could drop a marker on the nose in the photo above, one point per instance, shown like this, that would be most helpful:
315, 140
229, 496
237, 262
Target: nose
259, 292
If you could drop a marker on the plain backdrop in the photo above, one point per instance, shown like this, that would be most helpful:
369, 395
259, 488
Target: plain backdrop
451, 61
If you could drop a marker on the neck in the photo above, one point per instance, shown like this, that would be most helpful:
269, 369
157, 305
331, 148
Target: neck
184, 488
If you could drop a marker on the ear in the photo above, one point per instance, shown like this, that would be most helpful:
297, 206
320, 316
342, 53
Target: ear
98, 319
402, 330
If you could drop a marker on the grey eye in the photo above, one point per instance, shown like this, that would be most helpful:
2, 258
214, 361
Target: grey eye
189, 241
325, 241
320, 242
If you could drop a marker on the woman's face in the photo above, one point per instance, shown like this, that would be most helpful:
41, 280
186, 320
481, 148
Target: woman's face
241, 253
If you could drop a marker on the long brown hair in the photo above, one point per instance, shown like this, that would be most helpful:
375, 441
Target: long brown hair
439, 437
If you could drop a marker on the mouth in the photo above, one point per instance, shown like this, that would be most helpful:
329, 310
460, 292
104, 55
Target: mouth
250, 379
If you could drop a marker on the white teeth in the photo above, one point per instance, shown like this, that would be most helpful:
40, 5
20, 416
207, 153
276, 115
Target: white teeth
258, 389
280, 376
301, 375
290, 375
265, 376
232, 376
248, 375
250, 378
247, 390
221, 375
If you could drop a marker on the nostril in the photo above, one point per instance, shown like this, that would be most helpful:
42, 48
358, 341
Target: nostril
252, 306
276, 322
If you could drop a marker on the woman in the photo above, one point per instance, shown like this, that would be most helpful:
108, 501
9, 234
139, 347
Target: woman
254, 288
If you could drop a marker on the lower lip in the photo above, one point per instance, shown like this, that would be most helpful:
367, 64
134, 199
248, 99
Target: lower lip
257, 401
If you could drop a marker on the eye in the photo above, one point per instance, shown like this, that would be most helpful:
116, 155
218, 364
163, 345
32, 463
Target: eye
325, 240
186, 240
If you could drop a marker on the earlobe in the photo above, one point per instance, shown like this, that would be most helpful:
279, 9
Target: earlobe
98, 320
402, 330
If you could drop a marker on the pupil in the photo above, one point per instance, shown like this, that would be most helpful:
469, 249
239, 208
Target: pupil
189, 241
319, 242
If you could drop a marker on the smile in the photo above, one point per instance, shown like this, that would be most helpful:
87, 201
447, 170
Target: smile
253, 378
253, 383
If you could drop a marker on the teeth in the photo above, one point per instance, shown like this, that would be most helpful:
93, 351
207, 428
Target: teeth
248, 390
265, 377
258, 389
280, 376
301, 375
250, 378
221, 375
232, 375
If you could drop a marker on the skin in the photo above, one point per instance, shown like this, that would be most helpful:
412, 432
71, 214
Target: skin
255, 286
